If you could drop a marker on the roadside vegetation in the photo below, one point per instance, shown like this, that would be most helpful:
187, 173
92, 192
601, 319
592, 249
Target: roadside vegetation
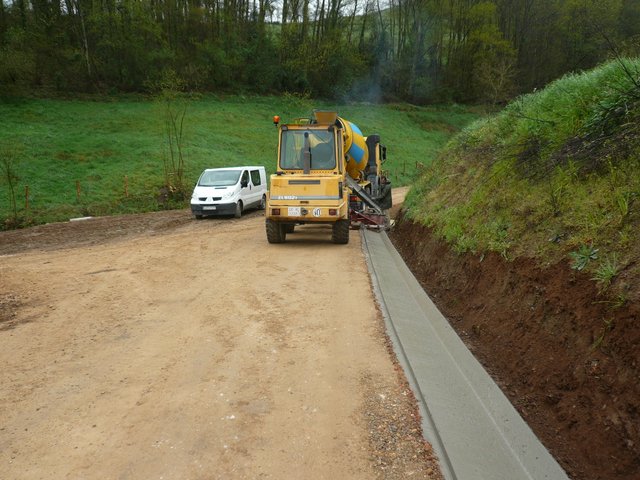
554, 175
132, 154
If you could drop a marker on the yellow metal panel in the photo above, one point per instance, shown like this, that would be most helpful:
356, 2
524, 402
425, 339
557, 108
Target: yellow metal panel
325, 116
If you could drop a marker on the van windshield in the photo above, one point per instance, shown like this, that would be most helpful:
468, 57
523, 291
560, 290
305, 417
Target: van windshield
219, 178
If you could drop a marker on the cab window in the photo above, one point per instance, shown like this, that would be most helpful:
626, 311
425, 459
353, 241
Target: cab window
319, 144
255, 177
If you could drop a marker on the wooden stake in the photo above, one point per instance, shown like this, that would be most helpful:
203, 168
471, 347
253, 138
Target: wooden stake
78, 190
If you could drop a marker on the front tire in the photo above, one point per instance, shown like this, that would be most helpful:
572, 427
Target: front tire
238, 212
275, 232
263, 203
340, 232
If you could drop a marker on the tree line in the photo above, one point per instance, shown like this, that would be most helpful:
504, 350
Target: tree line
414, 50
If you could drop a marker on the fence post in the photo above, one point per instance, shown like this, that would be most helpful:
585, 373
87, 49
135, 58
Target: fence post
78, 190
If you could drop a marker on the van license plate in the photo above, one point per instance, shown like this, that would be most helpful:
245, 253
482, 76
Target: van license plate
208, 208
294, 211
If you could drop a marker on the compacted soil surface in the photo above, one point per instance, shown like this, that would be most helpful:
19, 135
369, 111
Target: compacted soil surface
567, 356
157, 346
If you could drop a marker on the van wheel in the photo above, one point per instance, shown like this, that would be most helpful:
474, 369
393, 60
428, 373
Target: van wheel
340, 232
238, 213
263, 203
275, 232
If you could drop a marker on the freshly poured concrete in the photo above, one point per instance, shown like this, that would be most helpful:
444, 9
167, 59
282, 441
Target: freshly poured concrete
473, 427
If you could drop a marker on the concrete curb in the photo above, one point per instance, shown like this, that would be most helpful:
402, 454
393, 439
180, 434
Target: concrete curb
474, 429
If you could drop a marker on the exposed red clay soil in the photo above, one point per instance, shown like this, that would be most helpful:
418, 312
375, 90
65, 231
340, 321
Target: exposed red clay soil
568, 360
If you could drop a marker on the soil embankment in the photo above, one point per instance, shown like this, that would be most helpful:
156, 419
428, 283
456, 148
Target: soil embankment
566, 358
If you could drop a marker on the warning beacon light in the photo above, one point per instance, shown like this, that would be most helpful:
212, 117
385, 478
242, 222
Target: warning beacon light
276, 120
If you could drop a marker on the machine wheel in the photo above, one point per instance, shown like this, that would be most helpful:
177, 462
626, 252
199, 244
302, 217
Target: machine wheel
263, 203
289, 227
275, 232
340, 232
238, 213
385, 199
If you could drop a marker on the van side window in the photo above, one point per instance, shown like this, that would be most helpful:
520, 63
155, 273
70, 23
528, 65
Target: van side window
245, 177
255, 177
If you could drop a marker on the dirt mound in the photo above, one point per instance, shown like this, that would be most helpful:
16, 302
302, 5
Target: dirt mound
90, 231
566, 357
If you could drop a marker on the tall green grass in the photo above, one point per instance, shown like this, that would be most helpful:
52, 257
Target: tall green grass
97, 142
556, 171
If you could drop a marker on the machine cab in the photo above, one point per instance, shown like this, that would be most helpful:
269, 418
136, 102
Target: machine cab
309, 149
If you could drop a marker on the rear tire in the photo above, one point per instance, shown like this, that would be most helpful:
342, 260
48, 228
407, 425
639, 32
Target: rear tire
340, 232
385, 201
263, 203
275, 232
238, 212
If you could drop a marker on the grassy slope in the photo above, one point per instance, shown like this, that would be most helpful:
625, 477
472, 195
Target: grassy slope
556, 173
98, 142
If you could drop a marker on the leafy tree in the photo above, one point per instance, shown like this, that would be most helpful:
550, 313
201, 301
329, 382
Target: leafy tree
416, 50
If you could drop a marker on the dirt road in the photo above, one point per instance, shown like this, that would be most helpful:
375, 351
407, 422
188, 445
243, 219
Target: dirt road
157, 346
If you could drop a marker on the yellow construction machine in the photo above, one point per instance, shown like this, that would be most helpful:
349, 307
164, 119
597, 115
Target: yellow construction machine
327, 173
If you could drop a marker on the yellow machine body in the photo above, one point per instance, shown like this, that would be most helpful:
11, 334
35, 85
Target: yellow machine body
311, 185
317, 196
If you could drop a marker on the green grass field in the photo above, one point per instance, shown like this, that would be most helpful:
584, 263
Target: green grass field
53, 145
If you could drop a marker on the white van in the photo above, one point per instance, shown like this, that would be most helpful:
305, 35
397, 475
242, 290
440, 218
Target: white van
229, 191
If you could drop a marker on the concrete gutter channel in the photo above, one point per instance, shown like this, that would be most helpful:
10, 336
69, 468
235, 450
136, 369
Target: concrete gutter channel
475, 431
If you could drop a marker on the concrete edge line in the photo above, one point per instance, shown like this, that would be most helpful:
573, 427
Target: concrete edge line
429, 429
472, 426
